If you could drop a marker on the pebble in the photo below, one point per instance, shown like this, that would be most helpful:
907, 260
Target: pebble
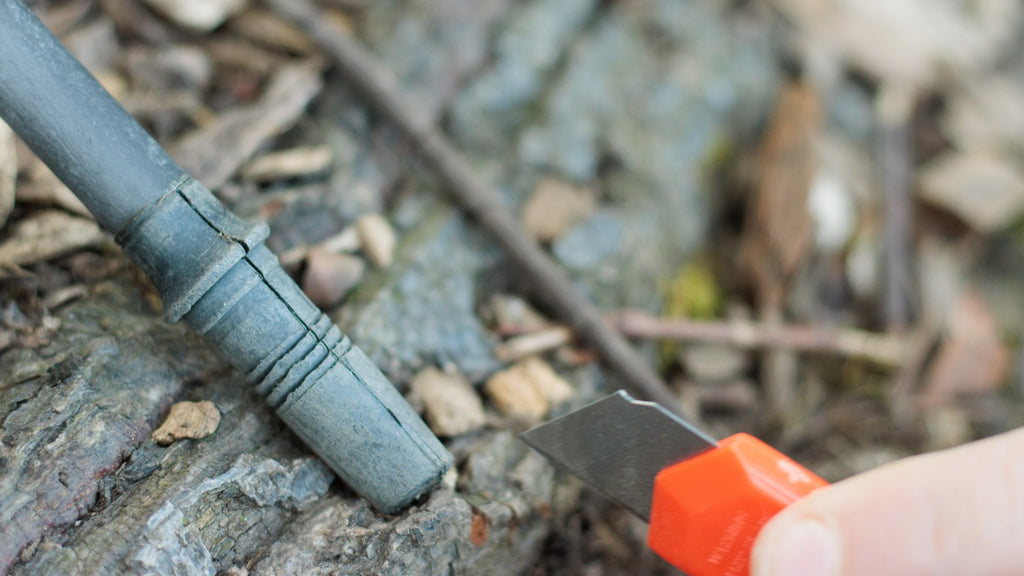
451, 405
378, 239
711, 363
527, 390
545, 380
986, 190
555, 207
195, 420
198, 15
329, 276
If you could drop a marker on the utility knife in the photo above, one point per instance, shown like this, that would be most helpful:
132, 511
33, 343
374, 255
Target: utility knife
705, 501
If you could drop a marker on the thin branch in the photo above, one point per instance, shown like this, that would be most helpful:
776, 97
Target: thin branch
894, 159
883, 349
380, 90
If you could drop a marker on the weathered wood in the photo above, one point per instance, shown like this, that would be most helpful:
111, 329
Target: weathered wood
83, 488
93, 398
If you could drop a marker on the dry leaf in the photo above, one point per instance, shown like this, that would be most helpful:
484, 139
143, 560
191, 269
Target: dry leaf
973, 358
329, 276
779, 228
132, 19
450, 404
288, 164
94, 44
198, 15
195, 420
910, 42
17, 329
377, 238
47, 235
988, 115
60, 297
267, 28
984, 189
212, 154
60, 18
554, 208
234, 53
44, 188
8, 171
156, 71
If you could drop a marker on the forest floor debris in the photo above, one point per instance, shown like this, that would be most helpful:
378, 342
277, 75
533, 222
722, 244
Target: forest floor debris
893, 329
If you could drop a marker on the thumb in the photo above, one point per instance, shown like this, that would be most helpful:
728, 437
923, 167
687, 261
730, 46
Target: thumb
955, 512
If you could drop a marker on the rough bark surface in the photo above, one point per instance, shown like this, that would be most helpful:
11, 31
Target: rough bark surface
85, 490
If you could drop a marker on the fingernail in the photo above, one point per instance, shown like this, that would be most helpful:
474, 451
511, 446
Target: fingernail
804, 547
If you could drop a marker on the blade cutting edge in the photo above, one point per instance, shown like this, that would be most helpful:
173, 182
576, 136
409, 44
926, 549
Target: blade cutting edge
617, 445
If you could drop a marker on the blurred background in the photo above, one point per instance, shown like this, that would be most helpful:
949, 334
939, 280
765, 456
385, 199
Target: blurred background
807, 214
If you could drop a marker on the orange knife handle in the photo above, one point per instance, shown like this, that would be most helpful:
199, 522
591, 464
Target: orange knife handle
708, 509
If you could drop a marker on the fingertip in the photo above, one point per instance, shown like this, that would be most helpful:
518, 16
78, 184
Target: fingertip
953, 512
795, 544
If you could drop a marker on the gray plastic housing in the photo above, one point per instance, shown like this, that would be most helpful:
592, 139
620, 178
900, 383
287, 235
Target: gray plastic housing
212, 269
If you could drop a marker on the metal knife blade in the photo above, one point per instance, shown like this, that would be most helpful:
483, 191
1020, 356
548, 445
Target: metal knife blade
617, 445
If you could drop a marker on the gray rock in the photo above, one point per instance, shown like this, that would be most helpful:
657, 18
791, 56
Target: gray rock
653, 85
169, 547
532, 42
491, 525
651, 92
431, 46
851, 111
586, 246
422, 311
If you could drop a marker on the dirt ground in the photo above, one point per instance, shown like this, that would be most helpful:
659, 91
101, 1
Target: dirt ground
806, 215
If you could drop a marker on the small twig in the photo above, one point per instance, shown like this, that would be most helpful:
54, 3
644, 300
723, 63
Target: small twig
883, 349
894, 149
532, 343
382, 91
